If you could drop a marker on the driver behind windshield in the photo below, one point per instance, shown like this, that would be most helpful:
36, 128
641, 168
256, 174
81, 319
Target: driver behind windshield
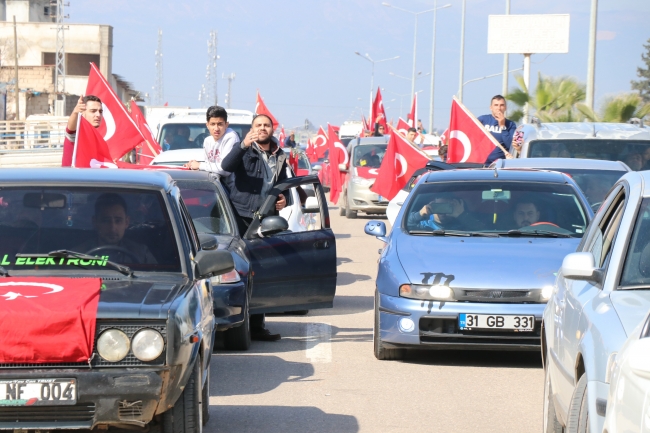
110, 221
526, 213
454, 218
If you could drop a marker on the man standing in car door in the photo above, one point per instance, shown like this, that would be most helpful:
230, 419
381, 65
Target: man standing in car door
257, 164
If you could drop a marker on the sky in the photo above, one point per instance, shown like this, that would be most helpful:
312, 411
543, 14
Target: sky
300, 55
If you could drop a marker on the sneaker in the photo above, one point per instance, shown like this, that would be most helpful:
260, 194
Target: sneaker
263, 334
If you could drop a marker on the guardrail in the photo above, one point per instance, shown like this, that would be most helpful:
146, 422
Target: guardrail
28, 135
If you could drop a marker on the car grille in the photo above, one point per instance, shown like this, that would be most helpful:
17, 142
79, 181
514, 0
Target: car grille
379, 203
98, 361
439, 330
489, 295
50, 414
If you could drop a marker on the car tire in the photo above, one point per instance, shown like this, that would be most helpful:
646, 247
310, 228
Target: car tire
382, 353
342, 209
186, 415
205, 398
349, 214
578, 418
238, 337
551, 423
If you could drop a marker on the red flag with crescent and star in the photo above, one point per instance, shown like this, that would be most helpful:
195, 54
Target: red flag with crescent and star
118, 129
320, 143
150, 148
261, 108
400, 162
47, 320
413, 115
91, 151
378, 113
469, 141
338, 155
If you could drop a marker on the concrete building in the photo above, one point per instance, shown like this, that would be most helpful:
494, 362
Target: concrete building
36, 31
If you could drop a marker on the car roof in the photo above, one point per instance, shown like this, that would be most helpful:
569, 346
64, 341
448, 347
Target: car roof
363, 141
197, 116
582, 130
85, 176
489, 174
563, 163
197, 154
190, 175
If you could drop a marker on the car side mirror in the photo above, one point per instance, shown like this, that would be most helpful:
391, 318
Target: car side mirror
272, 225
581, 266
317, 167
376, 229
343, 167
209, 263
311, 205
208, 242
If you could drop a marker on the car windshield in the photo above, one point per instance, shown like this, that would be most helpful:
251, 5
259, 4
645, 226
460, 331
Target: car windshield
303, 162
369, 155
517, 208
594, 183
206, 207
635, 153
174, 136
125, 226
636, 270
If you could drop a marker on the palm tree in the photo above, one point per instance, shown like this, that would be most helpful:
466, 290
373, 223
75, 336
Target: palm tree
619, 108
554, 99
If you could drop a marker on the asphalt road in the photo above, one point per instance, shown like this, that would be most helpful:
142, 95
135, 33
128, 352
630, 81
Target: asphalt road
323, 377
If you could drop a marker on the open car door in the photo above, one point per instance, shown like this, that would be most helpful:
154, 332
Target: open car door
292, 270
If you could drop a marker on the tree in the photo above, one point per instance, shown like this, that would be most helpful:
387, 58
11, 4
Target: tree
554, 99
643, 85
619, 108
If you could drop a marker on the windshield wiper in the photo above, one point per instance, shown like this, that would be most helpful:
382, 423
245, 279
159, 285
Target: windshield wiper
438, 232
540, 233
73, 254
4, 272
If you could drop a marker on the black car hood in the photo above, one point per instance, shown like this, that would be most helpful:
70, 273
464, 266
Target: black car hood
136, 299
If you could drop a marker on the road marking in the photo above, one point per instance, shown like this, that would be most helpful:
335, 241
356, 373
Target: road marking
318, 342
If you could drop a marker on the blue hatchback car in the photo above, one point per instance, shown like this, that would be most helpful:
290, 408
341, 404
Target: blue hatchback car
472, 258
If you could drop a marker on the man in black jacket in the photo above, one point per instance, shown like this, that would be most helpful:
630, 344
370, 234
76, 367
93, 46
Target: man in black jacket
257, 164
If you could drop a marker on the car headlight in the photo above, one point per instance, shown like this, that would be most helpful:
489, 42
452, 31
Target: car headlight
428, 293
147, 344
362, 181
230, 277
113, 345
546, 292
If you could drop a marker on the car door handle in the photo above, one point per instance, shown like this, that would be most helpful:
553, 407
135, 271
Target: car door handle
321, 245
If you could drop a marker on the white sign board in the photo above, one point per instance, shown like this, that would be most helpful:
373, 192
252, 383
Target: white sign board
528, 34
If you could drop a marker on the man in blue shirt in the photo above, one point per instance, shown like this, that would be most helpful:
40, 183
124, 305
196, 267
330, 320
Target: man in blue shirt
501, 128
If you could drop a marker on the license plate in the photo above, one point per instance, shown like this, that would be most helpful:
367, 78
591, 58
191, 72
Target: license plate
471, 322
42, 392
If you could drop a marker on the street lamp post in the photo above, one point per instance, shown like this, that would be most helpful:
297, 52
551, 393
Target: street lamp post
372, 75
433, 60
462, 54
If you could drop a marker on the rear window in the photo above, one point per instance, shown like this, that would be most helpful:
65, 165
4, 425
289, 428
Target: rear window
634, 153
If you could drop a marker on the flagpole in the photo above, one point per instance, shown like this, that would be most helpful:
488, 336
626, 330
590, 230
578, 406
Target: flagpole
76, 140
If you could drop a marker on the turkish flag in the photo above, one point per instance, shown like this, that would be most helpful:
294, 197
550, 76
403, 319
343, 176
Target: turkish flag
150, 148
378, 111
400, 162
413, 115
320, 143
47, 320
338, 155
91, 149
117, 128
403, 128
366, 124
282, 137
469, 141
260, 108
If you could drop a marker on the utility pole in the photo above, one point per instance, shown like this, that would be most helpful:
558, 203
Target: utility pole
59, 61
462, 54
158, 89
504, 86
230, 79
17, 87
591, 62
433, 67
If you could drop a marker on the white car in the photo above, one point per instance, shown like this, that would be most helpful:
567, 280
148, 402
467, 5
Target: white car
298, 222
628, 405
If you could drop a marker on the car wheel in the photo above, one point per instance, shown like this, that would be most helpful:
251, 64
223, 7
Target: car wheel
239, 337
381, 352
578, 419
551, 423
350, 214
342, 210
205, 399
185, 416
